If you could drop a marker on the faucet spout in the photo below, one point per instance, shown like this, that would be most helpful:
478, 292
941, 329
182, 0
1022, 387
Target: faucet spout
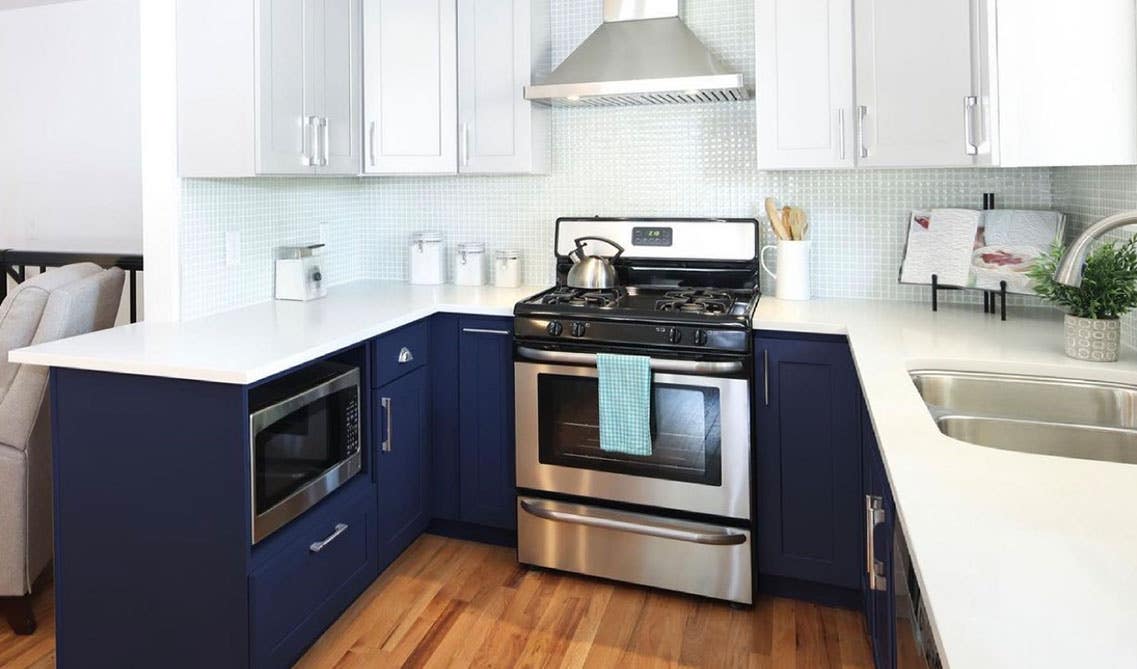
1069, 271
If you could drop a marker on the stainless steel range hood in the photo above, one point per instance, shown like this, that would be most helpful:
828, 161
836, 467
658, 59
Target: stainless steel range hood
642, 54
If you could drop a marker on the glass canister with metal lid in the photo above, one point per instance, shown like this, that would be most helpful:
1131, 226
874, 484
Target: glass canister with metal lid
470, 264
428, 265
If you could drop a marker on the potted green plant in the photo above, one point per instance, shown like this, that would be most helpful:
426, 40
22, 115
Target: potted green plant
1094, 309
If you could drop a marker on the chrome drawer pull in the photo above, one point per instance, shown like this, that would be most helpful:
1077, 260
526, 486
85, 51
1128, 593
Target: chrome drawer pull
405, 356
504, 333
319, 545
621, 525
385, 402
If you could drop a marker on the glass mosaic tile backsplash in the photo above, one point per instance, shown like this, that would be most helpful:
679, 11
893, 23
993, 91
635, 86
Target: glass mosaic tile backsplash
651, 161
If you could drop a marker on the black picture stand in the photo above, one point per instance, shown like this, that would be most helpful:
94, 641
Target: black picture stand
990, 297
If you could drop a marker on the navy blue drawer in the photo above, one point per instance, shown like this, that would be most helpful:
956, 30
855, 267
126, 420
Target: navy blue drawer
401, 351
300, 591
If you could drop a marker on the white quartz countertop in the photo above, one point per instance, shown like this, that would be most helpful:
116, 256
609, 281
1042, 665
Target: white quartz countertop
252, 343
1024, 560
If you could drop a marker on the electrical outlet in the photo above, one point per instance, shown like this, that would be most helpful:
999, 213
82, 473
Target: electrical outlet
232, 248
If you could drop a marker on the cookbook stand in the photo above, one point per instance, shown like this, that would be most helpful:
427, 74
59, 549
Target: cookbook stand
989, 296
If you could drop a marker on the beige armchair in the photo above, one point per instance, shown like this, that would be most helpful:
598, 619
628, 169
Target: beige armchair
59, 303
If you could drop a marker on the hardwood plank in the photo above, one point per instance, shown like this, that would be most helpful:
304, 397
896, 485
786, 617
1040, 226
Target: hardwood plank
450, 603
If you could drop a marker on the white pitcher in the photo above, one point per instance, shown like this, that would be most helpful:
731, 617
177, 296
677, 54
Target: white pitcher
793, 269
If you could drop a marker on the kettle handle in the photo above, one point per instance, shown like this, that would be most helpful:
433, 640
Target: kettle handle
579, 250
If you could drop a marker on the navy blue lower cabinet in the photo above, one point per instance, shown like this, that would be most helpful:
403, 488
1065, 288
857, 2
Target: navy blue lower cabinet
808, 468
327, 560
402, 461
485, 422
880, 523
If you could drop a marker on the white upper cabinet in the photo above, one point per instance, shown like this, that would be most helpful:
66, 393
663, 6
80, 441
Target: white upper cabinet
410, 88
1049, 104
805, 83
945, 83
914, 78
500, 43
268, 87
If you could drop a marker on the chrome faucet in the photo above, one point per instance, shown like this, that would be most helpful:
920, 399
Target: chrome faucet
1069, 270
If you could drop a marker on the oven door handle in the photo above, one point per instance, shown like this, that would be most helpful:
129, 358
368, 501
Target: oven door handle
657, 364
624, 523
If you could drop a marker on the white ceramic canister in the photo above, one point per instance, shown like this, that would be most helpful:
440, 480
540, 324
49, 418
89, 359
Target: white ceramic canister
428, 265
506, 268
792, 279
470, 264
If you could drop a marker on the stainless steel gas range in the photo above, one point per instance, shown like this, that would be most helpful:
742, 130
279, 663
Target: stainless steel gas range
679, 518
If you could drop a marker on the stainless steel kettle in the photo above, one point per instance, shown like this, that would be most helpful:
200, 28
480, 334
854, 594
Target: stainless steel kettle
593, 272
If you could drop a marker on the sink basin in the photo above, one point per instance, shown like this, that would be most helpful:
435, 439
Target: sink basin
1047, 416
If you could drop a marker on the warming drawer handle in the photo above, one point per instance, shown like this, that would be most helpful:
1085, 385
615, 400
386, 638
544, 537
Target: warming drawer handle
613, 523
319, 545
657, 364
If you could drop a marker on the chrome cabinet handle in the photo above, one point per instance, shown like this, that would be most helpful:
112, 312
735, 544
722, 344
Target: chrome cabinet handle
874, 509
613, 520
766, 376
313, 124
504, 333
862, 113
657, 364
371, 143
841, 130
405, 356
324, 141
970, 145
319, 545
386, 403
464, 131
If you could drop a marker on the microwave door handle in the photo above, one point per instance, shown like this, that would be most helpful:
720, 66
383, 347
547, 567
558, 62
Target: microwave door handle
657, 364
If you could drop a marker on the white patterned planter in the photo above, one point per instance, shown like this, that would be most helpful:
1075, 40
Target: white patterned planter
1093, 339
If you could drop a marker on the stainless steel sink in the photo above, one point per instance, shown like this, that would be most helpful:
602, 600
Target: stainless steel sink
1068, 418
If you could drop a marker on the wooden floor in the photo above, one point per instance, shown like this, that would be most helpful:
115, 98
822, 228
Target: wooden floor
457, 604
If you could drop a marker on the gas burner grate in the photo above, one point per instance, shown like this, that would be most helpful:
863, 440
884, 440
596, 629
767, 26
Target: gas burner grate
696, 301
578, 297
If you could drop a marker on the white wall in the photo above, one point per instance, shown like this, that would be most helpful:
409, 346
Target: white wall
70, 175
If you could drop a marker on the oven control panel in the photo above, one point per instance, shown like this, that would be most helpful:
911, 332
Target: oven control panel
653, 236
601, 332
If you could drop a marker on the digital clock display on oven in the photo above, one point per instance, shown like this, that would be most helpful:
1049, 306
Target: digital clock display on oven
651, 236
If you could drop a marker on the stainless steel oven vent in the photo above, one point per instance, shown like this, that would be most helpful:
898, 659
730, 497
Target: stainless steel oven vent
642, 54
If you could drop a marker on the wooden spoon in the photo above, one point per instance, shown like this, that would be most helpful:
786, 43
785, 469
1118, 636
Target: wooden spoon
781, 231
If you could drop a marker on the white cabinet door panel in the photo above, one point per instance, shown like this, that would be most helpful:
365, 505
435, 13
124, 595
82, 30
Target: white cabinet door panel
286, 96
804, 83
914, 75
410, 86
340, 84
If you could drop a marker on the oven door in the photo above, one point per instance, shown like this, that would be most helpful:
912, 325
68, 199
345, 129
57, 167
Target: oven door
301, 449
700, 424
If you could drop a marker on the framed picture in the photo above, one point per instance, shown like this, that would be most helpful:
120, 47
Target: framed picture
967, 248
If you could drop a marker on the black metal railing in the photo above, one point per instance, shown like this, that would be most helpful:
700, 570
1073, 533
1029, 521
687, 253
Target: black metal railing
15, 264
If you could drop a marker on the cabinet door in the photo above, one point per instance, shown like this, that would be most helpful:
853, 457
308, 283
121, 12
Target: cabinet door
486, 446
287, 100
809, 462
339, 81
500, 132
410, 89
914, 80
805, 83
880, 606
403, 462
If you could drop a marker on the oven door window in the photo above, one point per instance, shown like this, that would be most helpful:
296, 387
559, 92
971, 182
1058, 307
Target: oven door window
686, 431
300, 447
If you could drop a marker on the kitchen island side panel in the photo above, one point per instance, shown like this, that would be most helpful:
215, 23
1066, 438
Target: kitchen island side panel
152, 521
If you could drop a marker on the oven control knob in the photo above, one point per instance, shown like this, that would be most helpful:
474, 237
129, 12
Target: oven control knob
577, 329
554, 328
700, 337
674, 335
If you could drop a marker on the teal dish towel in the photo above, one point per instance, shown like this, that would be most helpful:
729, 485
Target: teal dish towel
625, 403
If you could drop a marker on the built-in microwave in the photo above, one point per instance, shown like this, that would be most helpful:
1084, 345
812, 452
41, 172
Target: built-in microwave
304, 442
